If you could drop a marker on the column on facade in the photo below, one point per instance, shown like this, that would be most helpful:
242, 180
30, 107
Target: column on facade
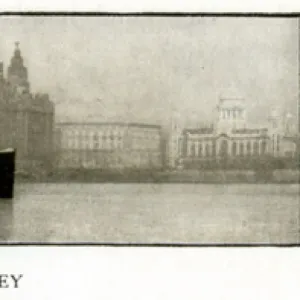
249, 147
201, 150
229, 147
217, 147
242, 147
252, 147
222, 114
212, 147
256, 147
208, 149
264, 147
237, 147
196, 143
233, 148
190, 147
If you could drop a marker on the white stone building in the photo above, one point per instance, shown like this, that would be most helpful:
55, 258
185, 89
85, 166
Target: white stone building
108, 145
231, 139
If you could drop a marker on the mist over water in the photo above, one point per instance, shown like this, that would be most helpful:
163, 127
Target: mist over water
156, 213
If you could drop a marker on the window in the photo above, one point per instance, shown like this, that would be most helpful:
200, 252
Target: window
263, 147
213, 150
207, 150
242, 149
248, 148
256, 148
193, 149
234, 113
233, 150
224, 148
95, 141
200, 150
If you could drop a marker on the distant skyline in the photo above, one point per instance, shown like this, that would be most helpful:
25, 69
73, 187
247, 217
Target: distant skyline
120, 68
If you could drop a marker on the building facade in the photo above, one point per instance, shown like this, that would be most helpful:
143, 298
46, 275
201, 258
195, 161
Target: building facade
26, 120
108, 146
174, 146
230, 141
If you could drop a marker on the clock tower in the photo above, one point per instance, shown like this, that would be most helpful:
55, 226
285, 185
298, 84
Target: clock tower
17, 73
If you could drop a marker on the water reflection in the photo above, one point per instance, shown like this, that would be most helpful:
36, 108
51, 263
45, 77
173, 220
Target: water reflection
6, 219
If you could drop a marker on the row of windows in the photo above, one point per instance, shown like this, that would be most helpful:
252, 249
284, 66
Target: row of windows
236, 149
206, 150
95, 145
104, 143
76, 160
111, 135
255, 150
89, 136
231, 113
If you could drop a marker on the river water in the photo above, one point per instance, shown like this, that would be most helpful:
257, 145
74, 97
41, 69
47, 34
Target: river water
152, 213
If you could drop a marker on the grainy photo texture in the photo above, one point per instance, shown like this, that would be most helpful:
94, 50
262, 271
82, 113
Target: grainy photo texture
151, 129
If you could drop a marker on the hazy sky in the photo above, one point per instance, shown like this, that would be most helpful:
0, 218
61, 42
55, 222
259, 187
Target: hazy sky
138, 66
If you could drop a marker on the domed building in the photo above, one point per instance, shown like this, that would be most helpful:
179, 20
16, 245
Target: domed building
26, 119
232, 142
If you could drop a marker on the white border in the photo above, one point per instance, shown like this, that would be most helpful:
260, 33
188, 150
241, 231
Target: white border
275, 6
152, 273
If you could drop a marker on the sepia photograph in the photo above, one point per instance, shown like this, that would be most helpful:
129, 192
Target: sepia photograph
149, 129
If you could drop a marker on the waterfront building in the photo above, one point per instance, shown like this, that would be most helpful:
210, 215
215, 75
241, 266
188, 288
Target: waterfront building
108, 146
26, 119
174, 146
231, 141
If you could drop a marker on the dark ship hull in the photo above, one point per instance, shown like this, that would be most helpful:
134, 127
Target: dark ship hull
7, 173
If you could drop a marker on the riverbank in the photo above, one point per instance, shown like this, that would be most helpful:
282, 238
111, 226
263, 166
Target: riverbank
182, 176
